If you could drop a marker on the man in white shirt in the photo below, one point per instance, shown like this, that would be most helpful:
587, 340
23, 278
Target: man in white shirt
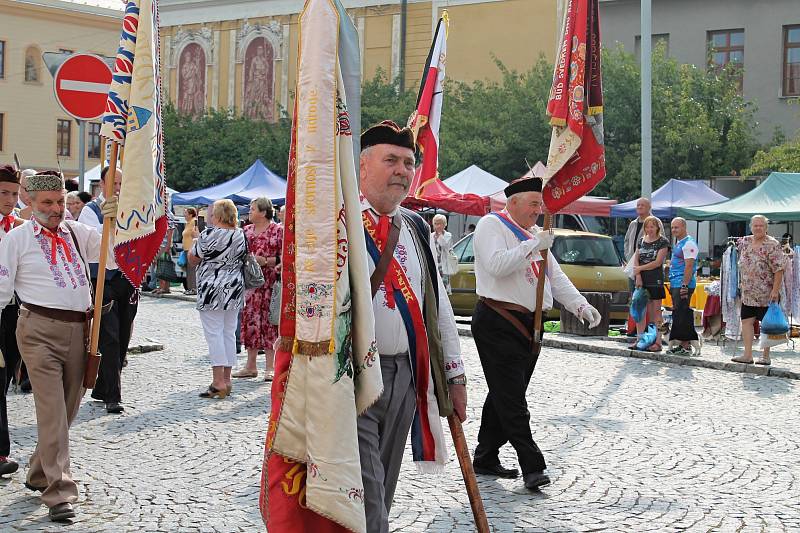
508, 256
410, 305
44, 261
117, 323
9, 351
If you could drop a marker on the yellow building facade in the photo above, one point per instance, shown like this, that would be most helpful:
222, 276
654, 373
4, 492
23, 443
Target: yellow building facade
241, 55
32, 124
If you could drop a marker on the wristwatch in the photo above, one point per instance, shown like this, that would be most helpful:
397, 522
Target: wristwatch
684, 286
458, 380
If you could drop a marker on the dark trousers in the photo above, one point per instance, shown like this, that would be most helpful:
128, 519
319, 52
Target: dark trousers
115, 334
682, 328
508, 364
8, 345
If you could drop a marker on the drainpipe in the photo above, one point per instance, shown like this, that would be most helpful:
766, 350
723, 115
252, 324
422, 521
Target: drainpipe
403, 25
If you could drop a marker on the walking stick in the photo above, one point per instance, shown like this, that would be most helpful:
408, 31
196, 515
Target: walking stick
537, 317
464, 460
93, 361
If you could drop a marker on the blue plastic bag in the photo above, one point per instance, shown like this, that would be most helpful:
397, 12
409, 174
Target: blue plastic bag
648, 337
639, 304
183, 259
774, 322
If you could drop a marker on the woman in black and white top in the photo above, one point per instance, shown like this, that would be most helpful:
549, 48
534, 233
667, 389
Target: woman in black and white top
220, 252
648, 265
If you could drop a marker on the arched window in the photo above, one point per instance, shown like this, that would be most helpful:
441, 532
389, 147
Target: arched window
32, 64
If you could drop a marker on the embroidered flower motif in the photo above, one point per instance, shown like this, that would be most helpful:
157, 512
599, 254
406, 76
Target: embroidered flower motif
3, 272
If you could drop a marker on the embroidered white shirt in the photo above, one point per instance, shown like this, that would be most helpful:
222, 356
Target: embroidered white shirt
25, 267
503, 269
389, 328
89, 217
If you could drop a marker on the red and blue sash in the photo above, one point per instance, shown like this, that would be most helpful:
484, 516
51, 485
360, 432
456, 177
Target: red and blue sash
519, 233
410, 307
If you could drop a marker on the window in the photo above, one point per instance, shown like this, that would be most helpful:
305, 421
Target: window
31, 65
63, 137
463, 250
726, 47
2, 59
2, 129
94, 140
585, 250
791, 60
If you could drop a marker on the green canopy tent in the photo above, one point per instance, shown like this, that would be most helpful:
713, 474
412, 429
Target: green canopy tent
777, 198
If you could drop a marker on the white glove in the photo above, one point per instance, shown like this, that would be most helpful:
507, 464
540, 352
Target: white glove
109, 207
545, 241
590, 315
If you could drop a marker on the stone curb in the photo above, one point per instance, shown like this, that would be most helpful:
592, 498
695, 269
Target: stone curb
146, 347
173, 296
568, 344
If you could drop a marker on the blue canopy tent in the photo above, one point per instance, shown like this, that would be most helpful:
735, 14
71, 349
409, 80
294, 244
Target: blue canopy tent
253, 183
671, 196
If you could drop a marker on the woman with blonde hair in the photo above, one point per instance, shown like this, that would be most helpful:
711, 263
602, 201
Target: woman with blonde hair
442, 241
648, 266
189, 234
219, 253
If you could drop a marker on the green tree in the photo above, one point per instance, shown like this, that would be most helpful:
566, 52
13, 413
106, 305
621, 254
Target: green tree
782, 158
204, 151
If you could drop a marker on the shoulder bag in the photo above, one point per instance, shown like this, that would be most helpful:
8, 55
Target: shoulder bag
253, 275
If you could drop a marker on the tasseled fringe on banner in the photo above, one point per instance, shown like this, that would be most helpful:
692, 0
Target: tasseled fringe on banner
595, 109
561, 122
310, 349
429, 468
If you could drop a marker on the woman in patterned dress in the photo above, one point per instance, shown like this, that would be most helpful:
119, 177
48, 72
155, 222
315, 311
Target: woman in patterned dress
761, 266
265, 240
219, 253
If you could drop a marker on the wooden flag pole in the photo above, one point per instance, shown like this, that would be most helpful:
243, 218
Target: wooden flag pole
462, 451
93, 362
537, 317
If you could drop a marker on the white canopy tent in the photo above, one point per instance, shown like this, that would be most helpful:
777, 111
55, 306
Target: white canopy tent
475, 180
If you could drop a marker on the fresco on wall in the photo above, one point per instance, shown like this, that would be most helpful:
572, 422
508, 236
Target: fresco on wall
192, 80
258, 79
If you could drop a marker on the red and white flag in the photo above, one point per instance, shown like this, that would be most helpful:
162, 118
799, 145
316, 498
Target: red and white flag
576, 161
428, 115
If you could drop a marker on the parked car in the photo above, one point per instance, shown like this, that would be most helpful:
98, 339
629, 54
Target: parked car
588, 259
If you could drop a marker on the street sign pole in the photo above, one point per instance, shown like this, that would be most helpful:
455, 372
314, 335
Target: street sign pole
81, 153
646, 95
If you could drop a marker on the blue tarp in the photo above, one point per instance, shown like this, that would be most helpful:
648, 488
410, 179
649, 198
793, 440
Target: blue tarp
672, 195
253, 183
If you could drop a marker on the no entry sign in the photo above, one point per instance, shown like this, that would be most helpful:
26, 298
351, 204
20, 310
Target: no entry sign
81, 86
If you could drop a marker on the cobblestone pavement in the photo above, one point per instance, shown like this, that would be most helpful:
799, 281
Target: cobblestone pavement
631, 445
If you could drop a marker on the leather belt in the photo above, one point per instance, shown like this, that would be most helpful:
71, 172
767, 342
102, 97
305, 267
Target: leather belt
58, 314
503, 308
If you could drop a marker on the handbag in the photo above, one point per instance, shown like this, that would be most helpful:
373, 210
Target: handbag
450, 265
165, 268
183, 259
253, 275
275, 303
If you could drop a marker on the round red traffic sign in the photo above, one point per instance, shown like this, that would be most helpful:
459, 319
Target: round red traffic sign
81, 86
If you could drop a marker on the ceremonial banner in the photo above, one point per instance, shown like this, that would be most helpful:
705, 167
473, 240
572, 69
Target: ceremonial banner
576, 161
133, 119
327, 368
427, 117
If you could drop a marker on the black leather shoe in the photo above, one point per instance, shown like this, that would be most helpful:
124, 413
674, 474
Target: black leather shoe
534, 480
8, 466
114, 408
497, 470
61, 512
33, 488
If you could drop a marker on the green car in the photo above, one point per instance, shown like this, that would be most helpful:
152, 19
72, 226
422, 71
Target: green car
589, 260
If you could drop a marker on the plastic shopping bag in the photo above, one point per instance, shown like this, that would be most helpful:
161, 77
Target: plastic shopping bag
768, 341
775, 322
639, 304
648, 337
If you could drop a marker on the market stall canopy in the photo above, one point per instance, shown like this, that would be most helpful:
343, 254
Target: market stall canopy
475, 180
537, 171
588, 205
777, 198
437, 195
671, 196
253, 183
